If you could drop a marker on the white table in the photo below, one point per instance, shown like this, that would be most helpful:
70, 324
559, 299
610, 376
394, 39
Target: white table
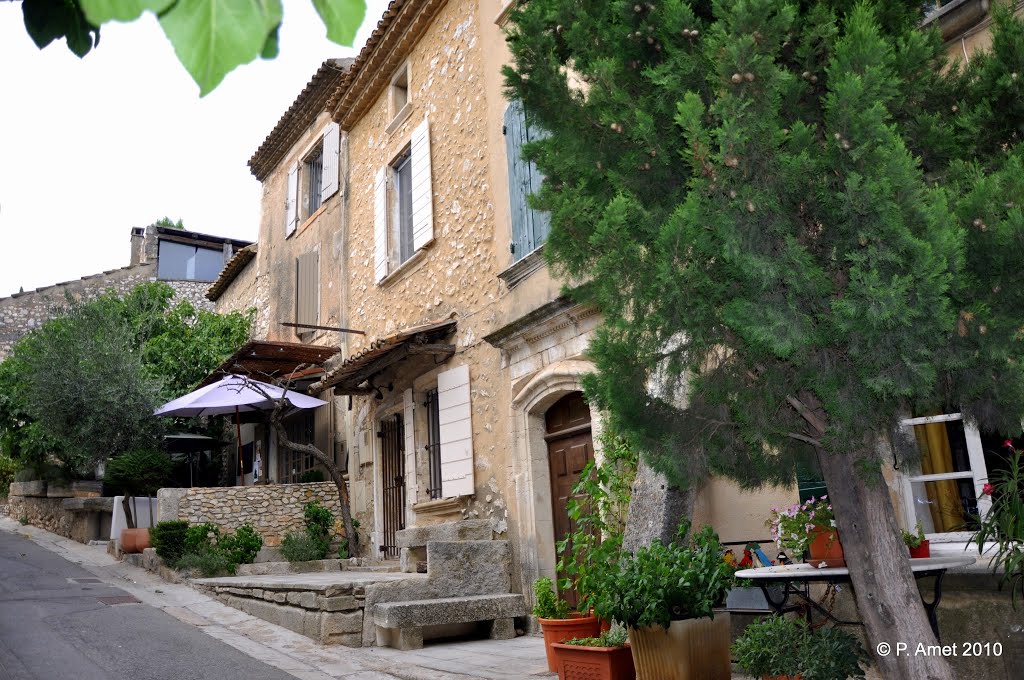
795, 579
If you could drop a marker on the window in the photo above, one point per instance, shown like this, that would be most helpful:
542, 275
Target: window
301, 429
315, 178
399, 91
530, 228
433, 446
403, 209
312, 176
307, 289
943, 489
402, 200
183, 262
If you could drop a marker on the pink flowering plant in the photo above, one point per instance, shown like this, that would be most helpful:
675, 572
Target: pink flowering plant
793, 527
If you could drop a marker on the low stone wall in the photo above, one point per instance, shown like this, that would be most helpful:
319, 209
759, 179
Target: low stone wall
80, 519
274, 509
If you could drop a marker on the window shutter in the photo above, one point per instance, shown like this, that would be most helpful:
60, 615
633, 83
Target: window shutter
518, 180
380, 224
410, 451
307, 302
422, 191
456, 432
291, 212
541, 220
329, 178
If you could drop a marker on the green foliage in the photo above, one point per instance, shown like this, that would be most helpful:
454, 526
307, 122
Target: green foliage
597, 507
242, 545
913, 540
169, 223
210, 37
343, 549
168, 539
23, 520
1003, 525
319, 520
616, 636
201, 536
311, 476
8, 467
662, 583
780, 646
300, 546
139, 473
777, 202
208, 561
547, 604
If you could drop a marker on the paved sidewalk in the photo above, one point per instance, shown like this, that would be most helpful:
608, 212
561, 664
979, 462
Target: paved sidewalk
301, 657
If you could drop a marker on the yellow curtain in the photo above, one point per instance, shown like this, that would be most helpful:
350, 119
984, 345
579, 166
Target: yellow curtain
943, 496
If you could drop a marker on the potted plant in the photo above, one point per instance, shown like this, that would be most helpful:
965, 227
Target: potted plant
666, 595
778, 648
556, 620
1002, 527
808, 530
918, 544
605, 657
139, 472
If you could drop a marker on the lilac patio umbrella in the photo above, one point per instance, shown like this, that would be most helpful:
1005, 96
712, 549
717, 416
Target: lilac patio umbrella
234, 394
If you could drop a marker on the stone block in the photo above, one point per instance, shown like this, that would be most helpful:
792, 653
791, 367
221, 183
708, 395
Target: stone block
340, 603
168, 504
334, 623
464, 530
33, 488
80, 504
293, 598
308, 600
55, 491
405, 639
86, 489
409, 559
469, 567
280, 597
311, 624
448, 610
502, 629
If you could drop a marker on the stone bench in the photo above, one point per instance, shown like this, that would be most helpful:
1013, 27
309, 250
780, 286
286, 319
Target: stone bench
400, 624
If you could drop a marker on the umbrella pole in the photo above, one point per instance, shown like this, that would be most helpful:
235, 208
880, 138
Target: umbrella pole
238, 432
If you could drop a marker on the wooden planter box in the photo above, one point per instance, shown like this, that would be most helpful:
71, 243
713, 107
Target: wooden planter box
560, 630
692, 649
594, 663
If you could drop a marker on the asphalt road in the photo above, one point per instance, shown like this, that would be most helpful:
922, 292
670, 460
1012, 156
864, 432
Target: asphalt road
55, 626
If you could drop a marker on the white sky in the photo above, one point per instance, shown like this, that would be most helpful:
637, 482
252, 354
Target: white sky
91, 148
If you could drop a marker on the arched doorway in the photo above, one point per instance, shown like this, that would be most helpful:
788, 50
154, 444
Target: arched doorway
570, 447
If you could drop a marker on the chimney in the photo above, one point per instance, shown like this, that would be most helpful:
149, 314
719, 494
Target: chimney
138, 246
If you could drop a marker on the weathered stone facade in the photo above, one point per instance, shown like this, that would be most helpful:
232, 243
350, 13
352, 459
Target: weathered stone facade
23, 312
275, 510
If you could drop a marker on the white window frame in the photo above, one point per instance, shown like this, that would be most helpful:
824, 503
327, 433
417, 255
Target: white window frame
978, 473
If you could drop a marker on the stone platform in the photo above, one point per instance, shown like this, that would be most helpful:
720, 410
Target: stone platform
326, 606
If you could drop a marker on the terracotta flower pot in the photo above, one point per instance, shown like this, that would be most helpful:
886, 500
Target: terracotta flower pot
923, 550
826, 550
594, 663
134, 540
560, 630
782, 677
693, 649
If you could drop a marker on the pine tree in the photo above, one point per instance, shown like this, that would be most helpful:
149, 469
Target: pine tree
800, 225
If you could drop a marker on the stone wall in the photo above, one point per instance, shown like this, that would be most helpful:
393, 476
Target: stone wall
274, 509
80, 519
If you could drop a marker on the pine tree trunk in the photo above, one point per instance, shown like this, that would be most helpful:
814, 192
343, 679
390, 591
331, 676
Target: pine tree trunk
888, 600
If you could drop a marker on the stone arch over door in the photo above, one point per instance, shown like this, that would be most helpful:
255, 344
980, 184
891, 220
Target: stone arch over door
535, 530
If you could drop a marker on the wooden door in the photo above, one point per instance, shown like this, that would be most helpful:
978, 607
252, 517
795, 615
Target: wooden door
570, 448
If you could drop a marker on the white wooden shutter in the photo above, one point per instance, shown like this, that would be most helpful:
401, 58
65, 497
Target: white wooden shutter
329, 178
410, 454
456, 433
422, 189
380, 224
291, 213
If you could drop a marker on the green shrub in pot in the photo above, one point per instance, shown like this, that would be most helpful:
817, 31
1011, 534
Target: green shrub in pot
685, 579
780, 646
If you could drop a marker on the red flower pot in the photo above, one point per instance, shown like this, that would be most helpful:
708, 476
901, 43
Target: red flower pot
923, 550
560, 630
825, 549
594, 663
134, 540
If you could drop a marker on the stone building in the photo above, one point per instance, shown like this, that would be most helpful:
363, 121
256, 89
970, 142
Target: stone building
186, 260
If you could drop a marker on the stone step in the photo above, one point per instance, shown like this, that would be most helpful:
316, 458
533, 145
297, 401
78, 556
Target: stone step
401, 624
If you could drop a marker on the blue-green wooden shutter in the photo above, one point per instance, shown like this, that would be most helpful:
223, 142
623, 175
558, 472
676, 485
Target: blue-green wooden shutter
518, 181
540, 220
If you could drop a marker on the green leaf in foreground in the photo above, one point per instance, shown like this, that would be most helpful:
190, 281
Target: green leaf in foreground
342, 17
212, 37
102, 11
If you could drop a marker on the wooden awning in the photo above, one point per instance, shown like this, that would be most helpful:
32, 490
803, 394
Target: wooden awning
268, 361
417, 346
